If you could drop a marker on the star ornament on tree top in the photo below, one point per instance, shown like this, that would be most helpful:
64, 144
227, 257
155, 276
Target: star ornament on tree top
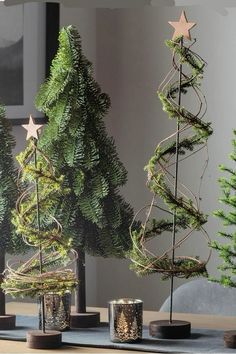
183, 27
32, 128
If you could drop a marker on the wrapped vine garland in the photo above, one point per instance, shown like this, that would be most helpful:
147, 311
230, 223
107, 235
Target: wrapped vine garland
40, 192
191, 135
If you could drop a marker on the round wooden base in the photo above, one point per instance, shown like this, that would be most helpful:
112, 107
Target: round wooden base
39, 340
7, 322
230, 339
84, 320
166, 330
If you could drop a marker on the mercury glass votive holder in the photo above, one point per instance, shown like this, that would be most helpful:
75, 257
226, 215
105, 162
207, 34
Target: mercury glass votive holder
57, 310
126, 320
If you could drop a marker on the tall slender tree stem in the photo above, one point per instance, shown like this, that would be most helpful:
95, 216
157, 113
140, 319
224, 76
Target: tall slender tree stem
2, 295
42, 305
80, 293
175, 192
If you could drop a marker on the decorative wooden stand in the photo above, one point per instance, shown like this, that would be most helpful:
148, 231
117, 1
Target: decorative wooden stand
230, 339
7, 322
40, 340
84, 320
170, 330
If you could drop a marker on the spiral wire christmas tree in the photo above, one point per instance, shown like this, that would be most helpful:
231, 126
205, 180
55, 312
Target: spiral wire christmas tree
183, 206
40, 191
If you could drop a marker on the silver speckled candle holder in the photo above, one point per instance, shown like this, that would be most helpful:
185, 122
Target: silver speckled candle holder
57, 311
126, 320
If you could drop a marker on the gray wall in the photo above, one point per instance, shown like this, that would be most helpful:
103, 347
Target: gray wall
127, 48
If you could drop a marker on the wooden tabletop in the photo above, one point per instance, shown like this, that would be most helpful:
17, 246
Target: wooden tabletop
197, 321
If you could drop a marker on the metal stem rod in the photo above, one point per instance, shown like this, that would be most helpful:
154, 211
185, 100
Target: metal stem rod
80, 293
2, 295
40, 247
175, 193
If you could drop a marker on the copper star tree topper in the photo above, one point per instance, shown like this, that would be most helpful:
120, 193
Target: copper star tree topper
32, 128
183, 27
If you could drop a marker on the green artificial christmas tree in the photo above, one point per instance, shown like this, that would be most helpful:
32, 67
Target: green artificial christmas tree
228, 217
227, 250
40, 189
75, 139
171, 198
8, 194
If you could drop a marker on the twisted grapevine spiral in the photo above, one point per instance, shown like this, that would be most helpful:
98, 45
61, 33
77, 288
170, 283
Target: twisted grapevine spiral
183, 204
40, 192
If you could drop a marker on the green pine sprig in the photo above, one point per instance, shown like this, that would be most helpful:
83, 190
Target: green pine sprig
227, 216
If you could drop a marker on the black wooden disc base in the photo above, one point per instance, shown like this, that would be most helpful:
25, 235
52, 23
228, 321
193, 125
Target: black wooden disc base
39, 340
230, 339
166, 330
84, 320
7, 322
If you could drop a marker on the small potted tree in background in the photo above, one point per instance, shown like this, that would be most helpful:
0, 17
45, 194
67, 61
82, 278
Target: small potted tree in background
40, 189
227, 251
9, 243
75, 139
